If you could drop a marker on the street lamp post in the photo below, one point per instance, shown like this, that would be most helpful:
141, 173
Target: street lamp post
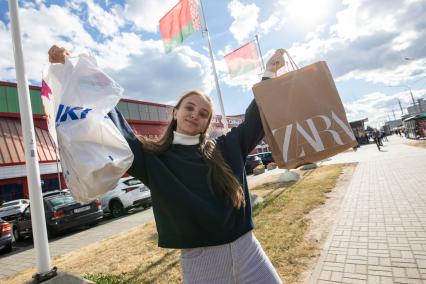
411, 93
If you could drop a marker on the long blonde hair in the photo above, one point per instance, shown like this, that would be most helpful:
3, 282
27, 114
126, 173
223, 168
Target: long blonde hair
220, 175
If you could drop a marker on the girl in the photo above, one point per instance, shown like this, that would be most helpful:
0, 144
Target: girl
199, 189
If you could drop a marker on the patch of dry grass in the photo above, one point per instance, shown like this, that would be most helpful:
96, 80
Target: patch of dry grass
133, 257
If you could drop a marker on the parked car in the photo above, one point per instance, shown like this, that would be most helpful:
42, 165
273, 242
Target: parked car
266, 157
252, 162
5, 236
14, 207
129, 193
62, 212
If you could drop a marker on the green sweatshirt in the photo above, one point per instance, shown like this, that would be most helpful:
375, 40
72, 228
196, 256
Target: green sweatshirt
187, 212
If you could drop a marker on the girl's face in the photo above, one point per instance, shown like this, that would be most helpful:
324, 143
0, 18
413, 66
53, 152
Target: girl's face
192, 115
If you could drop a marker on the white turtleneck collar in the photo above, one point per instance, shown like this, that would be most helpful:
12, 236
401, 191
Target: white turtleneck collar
183, 139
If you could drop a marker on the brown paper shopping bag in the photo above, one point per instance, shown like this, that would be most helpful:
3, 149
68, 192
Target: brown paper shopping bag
303, 116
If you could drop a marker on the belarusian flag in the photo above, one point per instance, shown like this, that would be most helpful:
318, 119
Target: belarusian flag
243, 59
179, 23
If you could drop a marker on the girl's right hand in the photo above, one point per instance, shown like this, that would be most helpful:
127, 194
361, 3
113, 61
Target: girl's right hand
276, 61
57, 54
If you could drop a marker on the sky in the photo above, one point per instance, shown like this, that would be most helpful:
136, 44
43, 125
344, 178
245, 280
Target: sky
375, 49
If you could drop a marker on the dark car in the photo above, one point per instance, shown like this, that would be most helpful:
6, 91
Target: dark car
62, 212
266, 157
252, 162
5, 236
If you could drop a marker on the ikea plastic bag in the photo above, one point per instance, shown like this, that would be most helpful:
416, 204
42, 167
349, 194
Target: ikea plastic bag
94, 154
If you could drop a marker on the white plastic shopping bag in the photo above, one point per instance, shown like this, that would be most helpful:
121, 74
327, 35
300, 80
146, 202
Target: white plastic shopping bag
94, 154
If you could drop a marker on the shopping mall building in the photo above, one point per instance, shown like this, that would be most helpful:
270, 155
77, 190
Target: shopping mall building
145, 118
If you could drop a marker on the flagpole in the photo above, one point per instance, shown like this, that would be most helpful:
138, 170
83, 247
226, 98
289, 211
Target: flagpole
38, 220
260, 53
219, 94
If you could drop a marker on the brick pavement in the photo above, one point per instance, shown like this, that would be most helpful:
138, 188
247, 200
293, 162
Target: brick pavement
380, 232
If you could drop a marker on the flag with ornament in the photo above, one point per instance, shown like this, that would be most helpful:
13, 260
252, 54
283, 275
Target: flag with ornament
243, 60
179, 23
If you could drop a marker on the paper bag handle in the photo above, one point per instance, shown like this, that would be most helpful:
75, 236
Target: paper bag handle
292, 63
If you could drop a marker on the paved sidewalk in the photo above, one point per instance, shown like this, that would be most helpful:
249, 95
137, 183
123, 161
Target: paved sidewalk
380, 232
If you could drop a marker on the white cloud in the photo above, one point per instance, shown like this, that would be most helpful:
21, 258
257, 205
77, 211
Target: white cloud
370, 41
139, 65
245, 19
106, 23
115, 53
379, 107
40, 28
270, 24
146, 14
157, 77
363, 18
404, 41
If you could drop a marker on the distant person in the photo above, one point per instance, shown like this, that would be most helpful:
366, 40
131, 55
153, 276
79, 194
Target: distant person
199, 189
376, 138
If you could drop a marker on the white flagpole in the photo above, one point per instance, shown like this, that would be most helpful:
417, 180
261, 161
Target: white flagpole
31, 161
260, 53
219, 94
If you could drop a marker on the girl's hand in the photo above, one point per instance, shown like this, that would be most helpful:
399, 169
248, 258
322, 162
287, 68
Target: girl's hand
276, 61
57, 54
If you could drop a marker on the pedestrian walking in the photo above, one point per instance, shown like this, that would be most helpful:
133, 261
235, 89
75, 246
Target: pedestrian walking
376, 137
199, 189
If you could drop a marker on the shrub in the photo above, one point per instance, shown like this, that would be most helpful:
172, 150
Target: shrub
271, 166
260, 169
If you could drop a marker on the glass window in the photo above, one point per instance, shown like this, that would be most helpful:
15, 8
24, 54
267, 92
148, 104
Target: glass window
60, 199
27, 211
153, 113
133, 181
49, 184
134, 111
124, 109
11, 203
11, 191
162, 113
143, 110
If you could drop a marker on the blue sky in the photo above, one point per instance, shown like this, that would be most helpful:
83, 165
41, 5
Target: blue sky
364, 42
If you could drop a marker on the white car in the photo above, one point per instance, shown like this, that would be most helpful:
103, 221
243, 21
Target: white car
129, 193
12, 208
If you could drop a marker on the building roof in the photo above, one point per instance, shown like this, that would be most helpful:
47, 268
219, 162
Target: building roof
12, 143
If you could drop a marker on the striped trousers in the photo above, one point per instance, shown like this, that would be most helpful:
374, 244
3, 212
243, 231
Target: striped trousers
241, 261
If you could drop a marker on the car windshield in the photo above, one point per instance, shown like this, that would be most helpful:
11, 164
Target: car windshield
11, 203
60, 199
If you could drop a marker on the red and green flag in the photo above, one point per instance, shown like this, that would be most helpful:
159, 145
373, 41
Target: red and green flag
179, 23
243, 59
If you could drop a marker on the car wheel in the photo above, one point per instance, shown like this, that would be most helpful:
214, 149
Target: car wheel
116, 208
16, 236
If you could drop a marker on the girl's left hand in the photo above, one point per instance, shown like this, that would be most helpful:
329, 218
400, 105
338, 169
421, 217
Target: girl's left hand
57, 54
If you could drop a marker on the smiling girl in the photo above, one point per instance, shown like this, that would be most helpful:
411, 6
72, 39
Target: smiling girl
199, 189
